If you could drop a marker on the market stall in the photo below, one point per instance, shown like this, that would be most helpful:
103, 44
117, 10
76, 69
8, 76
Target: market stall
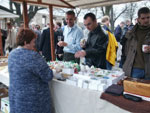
72, 96
80, 91
72, 99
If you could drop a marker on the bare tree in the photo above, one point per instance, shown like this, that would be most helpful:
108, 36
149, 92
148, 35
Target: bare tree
146, 4
77, 11
16, 8
131, 11
64, 10
60, 10
109, 10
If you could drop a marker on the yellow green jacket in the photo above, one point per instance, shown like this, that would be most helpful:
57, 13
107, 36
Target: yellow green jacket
111, 48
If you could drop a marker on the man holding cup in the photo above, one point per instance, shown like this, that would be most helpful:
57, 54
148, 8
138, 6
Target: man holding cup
96, 44
137, 49
72, 36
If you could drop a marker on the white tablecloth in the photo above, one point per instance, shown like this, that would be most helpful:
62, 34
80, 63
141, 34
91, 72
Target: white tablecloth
4, 76
72, 99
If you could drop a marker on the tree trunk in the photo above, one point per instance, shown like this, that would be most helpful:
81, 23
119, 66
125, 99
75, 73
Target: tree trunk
109, 12
111, 20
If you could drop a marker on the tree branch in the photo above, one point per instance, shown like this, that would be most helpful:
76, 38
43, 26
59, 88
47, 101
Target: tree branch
120, 14
18, 8
77, 12
30, 9
41, 8
5, 9
60, 10
102, 9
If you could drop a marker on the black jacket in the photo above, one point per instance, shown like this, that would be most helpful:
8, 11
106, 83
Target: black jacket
45, 45
96, 46
37, 42
118, 33
59, 50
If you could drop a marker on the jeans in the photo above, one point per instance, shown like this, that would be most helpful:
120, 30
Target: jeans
108, 65
121, 63
137, 73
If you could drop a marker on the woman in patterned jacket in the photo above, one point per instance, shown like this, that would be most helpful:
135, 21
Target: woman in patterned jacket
29, 76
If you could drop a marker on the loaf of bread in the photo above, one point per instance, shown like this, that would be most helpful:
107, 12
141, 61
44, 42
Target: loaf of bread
138, 88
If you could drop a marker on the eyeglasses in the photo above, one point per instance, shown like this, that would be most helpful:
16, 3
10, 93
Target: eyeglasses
88, 24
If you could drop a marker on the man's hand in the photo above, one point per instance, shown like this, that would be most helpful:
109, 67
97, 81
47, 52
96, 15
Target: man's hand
80, 54
62, 44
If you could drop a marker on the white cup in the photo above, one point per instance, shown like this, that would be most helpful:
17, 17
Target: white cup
82, 42
143, 47
60, 38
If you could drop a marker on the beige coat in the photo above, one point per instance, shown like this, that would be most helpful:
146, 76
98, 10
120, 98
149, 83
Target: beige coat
11, 39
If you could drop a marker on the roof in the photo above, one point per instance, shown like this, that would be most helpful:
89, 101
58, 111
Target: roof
97, 3
77, 3
45, 3
5, 14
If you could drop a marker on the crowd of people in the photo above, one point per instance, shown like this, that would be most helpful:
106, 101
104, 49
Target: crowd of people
101, 49
99, 52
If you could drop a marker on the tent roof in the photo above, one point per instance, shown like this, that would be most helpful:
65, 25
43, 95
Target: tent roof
5, 14
77, 3
45, 3
97, 3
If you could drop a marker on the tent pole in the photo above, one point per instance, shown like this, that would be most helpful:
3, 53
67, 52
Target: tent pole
25, 14
1, 46
51, 33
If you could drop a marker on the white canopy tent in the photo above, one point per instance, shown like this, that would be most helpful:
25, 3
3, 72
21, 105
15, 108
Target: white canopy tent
5, 14
77, 3
46, 3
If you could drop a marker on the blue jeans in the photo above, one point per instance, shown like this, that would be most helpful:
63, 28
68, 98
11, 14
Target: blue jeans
108, 65
121, 63
137, 73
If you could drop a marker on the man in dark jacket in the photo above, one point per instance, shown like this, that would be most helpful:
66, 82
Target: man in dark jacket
118, 35
45, 46
59, 37
4, 36
118, 31
137, 56
96, 45
38, 33
128, 27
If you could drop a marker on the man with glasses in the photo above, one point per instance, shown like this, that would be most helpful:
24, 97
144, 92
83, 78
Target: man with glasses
72, 36
96, 45
137, 48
